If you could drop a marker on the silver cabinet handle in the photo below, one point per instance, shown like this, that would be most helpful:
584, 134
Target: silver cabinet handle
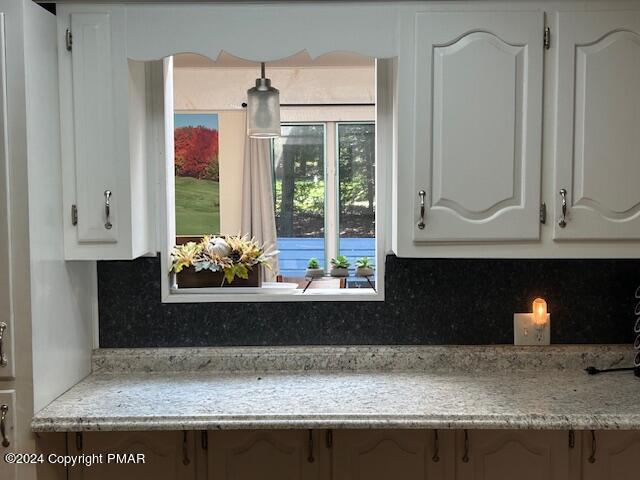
107, 209
592, 457
436, 447
465, 455
563, 219
185, 449
4, 409
3, 356
422, 194
310, 457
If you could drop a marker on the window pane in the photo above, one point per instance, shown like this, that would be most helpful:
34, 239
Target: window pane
357, 203
299, 196
196, 174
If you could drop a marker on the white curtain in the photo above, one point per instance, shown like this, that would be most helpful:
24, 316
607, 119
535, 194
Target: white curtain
258, 214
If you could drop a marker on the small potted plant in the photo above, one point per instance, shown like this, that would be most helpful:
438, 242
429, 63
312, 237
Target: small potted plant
364, 267
313, 269
340, 266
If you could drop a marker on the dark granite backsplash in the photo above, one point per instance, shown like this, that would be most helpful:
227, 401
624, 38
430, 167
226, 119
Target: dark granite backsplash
428, 301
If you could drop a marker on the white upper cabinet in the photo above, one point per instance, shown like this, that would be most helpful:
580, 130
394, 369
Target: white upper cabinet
103, 105
6, 301
598, 126
94, 129
478, 121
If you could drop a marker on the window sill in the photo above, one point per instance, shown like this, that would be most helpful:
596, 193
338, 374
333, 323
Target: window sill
255, 295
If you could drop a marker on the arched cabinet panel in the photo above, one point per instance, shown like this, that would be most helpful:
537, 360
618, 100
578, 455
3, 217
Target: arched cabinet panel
613, 456
598, 125
142, 455
266, 455
510, 454
390, 454
478, 101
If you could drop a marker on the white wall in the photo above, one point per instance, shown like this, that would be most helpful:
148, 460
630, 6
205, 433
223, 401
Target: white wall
62, 293
232, 130
226, 88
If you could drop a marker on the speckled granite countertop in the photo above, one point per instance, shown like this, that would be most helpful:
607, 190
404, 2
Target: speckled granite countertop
350, 387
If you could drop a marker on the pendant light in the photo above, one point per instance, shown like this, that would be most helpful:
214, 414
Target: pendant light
263, 109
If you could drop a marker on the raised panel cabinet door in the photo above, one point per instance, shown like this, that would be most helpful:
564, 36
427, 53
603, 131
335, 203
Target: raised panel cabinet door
6, 310
597, 157
610, 455
265, 455
8, 471
478, 126
512, 454
98, 191
392, 454
167, 455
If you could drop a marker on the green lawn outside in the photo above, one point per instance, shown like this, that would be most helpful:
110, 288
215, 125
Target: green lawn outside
197, 206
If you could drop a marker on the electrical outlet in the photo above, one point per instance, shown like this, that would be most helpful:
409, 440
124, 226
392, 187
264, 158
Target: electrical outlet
526, 332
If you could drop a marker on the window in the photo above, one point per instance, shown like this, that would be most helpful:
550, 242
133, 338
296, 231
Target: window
324, 194
299, 195
323, 178
357, 191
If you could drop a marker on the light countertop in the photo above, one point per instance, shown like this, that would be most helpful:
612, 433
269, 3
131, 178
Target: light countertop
350, 387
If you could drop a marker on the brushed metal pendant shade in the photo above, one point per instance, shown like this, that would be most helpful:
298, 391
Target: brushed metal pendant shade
263, 108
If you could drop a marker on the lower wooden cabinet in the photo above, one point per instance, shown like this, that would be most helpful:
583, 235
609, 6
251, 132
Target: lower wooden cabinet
383, 454
167, 455
392, 454
613, 455
8, 471
511, 454
267, 455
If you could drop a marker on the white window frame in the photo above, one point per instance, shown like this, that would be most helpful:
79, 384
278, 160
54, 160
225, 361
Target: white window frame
331, 182
384, 150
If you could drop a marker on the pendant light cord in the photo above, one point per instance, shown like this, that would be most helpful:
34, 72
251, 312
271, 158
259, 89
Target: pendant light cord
262, 70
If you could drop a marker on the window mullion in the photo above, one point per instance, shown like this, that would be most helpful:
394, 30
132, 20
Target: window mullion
331, 193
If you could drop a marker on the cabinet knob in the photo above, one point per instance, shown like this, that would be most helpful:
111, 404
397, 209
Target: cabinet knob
107, 209
422, 194
563, 218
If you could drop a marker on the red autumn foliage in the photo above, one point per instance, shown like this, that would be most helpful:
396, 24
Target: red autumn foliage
196, 152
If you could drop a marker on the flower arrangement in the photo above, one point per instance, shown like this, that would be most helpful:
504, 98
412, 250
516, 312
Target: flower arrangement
233, 255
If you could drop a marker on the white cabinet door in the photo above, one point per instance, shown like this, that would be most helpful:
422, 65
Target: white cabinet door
167, 455
8, 471
103, 125
598, 125
265, 455
6, 310
512, 454
96, 162
478, 103
392, 454
613, 456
